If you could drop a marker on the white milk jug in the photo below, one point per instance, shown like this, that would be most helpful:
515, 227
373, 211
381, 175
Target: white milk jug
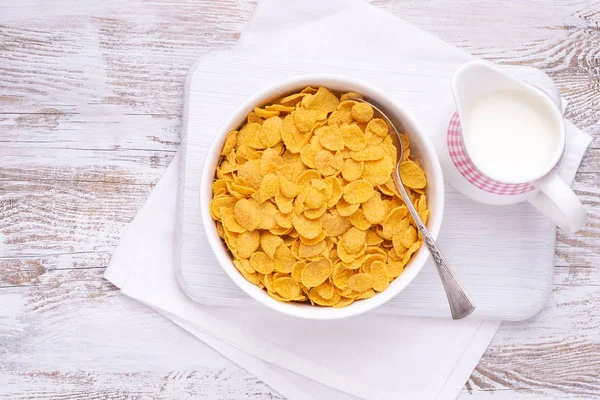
506, 140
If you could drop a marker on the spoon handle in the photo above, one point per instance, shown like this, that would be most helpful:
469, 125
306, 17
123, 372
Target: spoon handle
460, 303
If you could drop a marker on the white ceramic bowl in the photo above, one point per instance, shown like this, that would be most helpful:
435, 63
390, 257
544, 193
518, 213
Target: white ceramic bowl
421, 148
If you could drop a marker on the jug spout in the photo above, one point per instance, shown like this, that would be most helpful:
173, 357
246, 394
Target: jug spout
478, 78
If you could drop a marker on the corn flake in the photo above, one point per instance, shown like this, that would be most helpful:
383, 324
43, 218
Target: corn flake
366, 294
380, 276
334, 224
261, 263
266, 215
247, 243
343, 302
378, 172
250, 135
350, 95
308, 228
246, 214
412, 175
362, 112
356, 263
315, 272
264, 114
326, 290
315, 213
323, 100
377, 127
286, 287
328, 164
353, 137
297, 270
358, 191
360, 282
353, 239
374, 209
398, 235
336, 190
230, 142
373, 238
310, 251
371, 153
346, 209
395, 269
315, 240
343, 114
352, 169
305, 120
283, 259
359, 221
270, 131
318, 299
269, 187
331, 138
292, 99
252, 117
280, 108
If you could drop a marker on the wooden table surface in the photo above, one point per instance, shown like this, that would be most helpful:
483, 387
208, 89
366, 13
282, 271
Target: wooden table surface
90, 114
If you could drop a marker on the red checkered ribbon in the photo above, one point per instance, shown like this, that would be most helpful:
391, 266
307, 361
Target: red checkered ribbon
465, 166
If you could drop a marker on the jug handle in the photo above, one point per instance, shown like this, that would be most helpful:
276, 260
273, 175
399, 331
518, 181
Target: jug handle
557, 201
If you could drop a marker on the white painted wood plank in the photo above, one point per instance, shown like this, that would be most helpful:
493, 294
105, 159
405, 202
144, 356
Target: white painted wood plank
85, 340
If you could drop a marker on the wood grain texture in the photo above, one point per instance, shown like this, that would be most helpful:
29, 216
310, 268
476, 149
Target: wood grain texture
90, 113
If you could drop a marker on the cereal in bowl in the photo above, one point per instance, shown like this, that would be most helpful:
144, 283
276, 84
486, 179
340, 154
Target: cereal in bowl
304, 200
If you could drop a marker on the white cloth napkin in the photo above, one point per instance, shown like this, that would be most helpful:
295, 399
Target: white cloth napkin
371, 357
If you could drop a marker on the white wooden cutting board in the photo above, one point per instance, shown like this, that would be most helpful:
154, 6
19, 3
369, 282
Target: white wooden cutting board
503, 255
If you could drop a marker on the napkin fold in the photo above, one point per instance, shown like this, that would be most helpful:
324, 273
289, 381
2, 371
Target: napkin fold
368, 356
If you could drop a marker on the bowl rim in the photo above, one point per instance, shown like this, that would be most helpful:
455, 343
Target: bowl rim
278, 89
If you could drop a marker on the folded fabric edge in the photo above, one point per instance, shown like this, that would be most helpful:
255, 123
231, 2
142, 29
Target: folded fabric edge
257, 13
254, 366
292, 362
578, 146
468, 361
116, 273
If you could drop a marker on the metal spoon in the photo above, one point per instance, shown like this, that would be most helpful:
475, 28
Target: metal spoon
460, 303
